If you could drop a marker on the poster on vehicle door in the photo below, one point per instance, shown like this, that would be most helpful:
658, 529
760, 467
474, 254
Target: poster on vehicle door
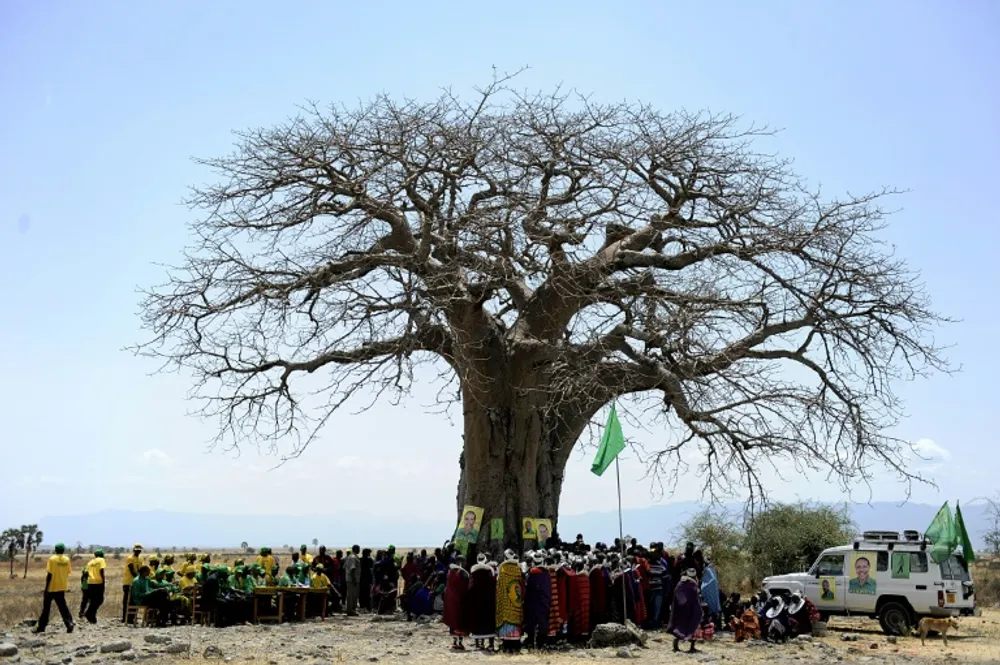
828, 589
863, 574
900, 565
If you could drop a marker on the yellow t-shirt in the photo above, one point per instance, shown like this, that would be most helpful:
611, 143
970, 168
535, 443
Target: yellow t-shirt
137, 563
59, 568
319, 581
267, 562
184, 583
306, 558
95, 570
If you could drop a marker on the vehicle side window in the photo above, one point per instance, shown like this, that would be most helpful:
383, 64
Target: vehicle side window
918, 562
831, 565
953, 568
883, 562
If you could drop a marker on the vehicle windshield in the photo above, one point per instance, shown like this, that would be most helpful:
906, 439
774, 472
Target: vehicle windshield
954, 568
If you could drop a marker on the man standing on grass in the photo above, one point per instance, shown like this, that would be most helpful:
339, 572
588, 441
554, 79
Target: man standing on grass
94, 572
132, 566
56, 584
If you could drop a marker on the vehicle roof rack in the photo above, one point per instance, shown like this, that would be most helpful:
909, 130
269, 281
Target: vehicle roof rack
880, 536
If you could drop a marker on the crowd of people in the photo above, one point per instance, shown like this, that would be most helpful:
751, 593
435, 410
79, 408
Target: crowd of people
542, 598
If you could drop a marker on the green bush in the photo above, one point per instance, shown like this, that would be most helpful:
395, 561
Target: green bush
787, 538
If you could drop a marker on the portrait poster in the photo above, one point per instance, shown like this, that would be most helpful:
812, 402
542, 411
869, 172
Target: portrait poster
528, 528
468, 528
863, 577
544, 530
496, 528
828, 589
900, 565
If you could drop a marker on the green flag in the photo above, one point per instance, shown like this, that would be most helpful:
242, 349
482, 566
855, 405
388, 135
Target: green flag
942, 535
963, 535
612, 443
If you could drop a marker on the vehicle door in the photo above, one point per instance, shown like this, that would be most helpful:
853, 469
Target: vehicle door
864, 570
919, 581
827, 585
953, 574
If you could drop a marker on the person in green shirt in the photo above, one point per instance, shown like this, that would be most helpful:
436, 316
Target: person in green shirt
289, 578
147, 593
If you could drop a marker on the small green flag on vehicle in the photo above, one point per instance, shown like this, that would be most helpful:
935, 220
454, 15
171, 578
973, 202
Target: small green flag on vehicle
612, 443
963, 535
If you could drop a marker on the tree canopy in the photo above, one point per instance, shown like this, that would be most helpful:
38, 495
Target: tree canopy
548, 254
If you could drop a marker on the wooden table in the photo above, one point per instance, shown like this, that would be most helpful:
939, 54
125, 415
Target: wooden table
268, 592
303, 594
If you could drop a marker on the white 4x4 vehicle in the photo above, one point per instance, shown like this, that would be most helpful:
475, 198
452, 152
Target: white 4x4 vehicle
883, 576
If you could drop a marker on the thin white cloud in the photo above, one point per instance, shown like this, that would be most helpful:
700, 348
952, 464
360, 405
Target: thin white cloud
350, 462
156, 457
929, 450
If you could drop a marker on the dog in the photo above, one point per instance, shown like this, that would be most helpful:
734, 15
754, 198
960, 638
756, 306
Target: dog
928, 624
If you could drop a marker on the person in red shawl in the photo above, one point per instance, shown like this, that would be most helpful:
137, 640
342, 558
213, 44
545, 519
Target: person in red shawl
559, 614
579, 602
600, 580
481, 603
455, 594
558, 604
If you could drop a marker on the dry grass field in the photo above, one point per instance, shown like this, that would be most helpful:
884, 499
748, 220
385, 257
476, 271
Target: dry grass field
341, 640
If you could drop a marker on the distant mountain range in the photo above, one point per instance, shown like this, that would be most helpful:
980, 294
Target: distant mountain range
185, 530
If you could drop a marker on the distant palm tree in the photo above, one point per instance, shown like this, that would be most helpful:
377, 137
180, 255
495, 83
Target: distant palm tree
31, 539
79, 547
315, 542
244, 545
11, 540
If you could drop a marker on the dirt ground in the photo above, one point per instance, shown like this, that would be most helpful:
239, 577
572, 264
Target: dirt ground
343, 640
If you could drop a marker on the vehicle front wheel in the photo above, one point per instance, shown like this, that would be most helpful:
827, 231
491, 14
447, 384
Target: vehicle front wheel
894, 618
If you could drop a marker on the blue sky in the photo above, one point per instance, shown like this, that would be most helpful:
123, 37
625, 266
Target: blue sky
104, 104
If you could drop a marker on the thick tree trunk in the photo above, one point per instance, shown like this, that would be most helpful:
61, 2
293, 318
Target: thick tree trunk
514, 458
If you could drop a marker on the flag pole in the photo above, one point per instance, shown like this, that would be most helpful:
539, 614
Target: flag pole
621, 539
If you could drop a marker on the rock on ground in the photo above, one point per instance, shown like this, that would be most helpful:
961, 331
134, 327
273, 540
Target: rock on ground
116, 647
616, 635
157, 639
177, 648
7, 650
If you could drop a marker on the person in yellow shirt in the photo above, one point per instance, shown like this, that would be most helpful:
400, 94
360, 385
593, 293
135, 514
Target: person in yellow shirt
266, 561
187, 583
319, 580
132, 566
189, 564
94, 570
57, 573
304, 555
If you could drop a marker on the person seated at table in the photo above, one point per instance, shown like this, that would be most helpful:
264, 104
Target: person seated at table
240, 581
289, 578
145, 594
319, 580
266, 561
303, 577
177, 608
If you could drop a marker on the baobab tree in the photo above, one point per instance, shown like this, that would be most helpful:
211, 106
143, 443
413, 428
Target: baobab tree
547, 255
10, 540
31, 539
